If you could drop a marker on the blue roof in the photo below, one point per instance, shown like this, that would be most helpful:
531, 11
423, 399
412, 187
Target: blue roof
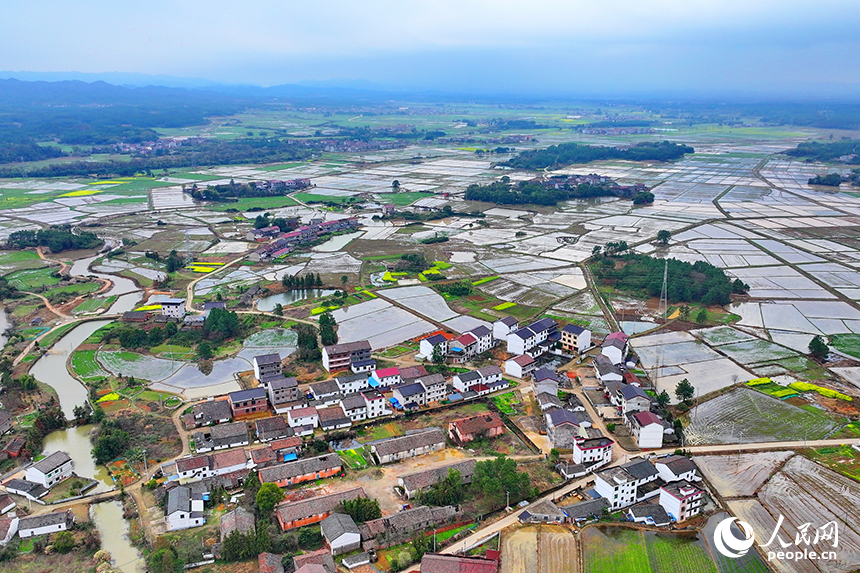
436, 339
290, 457
360, 363
372, 382
411, 389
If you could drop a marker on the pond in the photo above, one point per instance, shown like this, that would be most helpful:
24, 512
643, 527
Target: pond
338, 242
631, 327
267, 304
194, 380
462, 257
51, 367
113, 530
76, 442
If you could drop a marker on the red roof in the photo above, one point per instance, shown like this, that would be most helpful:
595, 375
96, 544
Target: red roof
630, 378
617, 335
283, 443
465, 339
647, 419
524, 360
386, 372
435, 563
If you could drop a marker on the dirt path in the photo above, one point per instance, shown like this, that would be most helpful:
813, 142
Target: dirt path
189, 289
48, 304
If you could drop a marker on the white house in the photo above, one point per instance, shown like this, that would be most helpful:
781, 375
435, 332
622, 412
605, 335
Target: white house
615, 347
466, 380
605, 370
592, 451
677, 468
428, 345
505, 326
484, 338
621, 486
45, 523
385, 377
50, 470
183, 509
490, 374
303, 417
350, 383
414, 393
434, 387
354, 407
375, 402
647, 428
8, 529
520, 366
341, 533
6, 504
632, 399
173, 307
681, 500
528, 340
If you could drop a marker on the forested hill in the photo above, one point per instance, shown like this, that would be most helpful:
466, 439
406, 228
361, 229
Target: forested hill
570, 153
846, 149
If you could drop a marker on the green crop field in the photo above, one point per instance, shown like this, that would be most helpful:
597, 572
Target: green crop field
85, 366
32, 278
11, 257
93, 304
847, 343
623, 550
675, 554
353, 459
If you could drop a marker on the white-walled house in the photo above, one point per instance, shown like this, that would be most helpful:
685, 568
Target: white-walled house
8, 529
528, 340
575, 338
505, 326
615, 347
677, 468
45, 523
647, 428
592, 451
620, 486
50, 470
428, 345
303, 417
183, 509
385, 377
341, 533
681, 500
173, 307
375, 401
520, 366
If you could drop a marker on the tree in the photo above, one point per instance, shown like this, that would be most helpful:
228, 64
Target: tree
64, 542
595, 250
818, 348
395, 184
610, 427
268, 496
174, 262
493, 479
663, 236
702, 316
663, 399
740, 287
279, 310
164, 561
438, 355
361, 509
204, 351
447, 491
684, 391
252, 485
344, 279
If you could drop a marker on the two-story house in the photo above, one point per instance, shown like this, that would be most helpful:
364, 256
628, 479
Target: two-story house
50, 470
628, 483
248, 402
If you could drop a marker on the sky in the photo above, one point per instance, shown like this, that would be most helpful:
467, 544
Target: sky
573, 47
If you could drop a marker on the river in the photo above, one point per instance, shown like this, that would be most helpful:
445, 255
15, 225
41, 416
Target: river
51, 367
113, 530
128, 292
4, 325
76, 442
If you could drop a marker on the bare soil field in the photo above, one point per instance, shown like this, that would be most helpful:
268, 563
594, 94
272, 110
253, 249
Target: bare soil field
557, 550
740, 475
520, 550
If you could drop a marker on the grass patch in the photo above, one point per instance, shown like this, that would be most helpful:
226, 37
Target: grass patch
381, 431
484, 280
32, 278
93, 304
84, 364
506, 402
354, 459
847, 343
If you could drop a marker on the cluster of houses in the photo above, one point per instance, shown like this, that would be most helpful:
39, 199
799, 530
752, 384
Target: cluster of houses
41, 476
282, 244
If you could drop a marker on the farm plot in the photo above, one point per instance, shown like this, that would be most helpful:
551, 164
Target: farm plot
754, 513
520, 550
423, 301
389, 325
805, 492
746, 416
756, 350
84, 364
721, 335
280, 340
740, 475
557, 550
615, 549
142, 367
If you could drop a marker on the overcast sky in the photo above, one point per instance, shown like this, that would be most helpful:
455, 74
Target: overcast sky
773, 47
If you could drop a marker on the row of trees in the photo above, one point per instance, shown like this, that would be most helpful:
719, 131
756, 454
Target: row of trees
830, 180
532, 193
58, 239
847, 149
266, 220
296, 282
459, 288
569, 153
307, 345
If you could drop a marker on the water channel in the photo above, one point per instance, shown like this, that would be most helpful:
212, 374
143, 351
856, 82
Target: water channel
113, 530
76, 442
51, 367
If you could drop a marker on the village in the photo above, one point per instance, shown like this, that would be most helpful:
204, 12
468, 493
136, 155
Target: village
375, 376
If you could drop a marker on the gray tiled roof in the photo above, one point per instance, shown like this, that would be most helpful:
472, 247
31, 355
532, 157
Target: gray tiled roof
316, 505
52, 462
300, 467
419, 480
178, 499
409, 442
46, 519
337, 524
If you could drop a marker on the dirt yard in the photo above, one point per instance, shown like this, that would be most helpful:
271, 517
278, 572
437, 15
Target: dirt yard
520, 550
538, 549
